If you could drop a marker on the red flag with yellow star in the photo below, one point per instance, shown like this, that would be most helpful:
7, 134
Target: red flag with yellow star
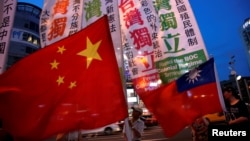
69, 85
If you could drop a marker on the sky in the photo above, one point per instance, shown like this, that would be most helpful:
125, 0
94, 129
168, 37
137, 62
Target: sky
219, 22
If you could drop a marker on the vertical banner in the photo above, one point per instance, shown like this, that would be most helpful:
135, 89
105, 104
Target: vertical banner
59, 19
7, 14
94, 9
62, 18
181, 47
139, 23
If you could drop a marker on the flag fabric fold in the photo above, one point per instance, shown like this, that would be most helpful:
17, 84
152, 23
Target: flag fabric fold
178, 103
71, 84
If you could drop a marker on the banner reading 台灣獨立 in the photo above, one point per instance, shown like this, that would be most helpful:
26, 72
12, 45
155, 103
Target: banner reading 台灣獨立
161, 41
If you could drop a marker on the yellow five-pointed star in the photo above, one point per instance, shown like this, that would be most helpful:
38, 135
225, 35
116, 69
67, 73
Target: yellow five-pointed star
61, 49
72, 84
54, 64
91, 51
60, 80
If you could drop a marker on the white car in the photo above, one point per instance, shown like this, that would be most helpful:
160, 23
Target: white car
106, 130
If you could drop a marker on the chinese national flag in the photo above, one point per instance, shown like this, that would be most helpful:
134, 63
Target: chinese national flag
180, 102
72, 84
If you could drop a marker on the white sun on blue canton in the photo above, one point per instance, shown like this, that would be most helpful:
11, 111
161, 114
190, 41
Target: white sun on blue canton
193, 75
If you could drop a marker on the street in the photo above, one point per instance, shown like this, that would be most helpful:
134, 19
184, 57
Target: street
150, 134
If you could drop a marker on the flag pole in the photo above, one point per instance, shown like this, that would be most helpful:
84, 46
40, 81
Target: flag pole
126, 121
222, 102
127, 131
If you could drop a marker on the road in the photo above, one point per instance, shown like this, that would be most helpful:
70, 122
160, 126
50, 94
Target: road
151, 134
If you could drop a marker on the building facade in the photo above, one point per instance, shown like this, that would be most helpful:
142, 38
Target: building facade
24, 38
245, 33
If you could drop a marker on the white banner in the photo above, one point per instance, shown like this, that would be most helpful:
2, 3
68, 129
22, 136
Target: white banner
59, 19
94, 9
139, 23
180, 45
7, 14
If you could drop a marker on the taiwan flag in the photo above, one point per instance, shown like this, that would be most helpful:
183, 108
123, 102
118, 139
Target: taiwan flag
69, 85
177, 104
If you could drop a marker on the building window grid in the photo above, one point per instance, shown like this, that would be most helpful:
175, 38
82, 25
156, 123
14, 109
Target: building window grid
29, 9
31, 39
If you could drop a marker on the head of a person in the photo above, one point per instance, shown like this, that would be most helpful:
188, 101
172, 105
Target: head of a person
137, 112
229, 92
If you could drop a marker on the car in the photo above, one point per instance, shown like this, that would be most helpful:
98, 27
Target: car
105, 130
149, 120
217, 117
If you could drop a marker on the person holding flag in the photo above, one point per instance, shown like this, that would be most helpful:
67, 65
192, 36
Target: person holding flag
237, 110
136, 125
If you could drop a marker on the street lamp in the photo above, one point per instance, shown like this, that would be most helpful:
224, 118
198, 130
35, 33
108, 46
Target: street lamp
236, 77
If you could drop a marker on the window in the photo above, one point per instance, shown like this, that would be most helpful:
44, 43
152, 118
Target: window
29, 50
